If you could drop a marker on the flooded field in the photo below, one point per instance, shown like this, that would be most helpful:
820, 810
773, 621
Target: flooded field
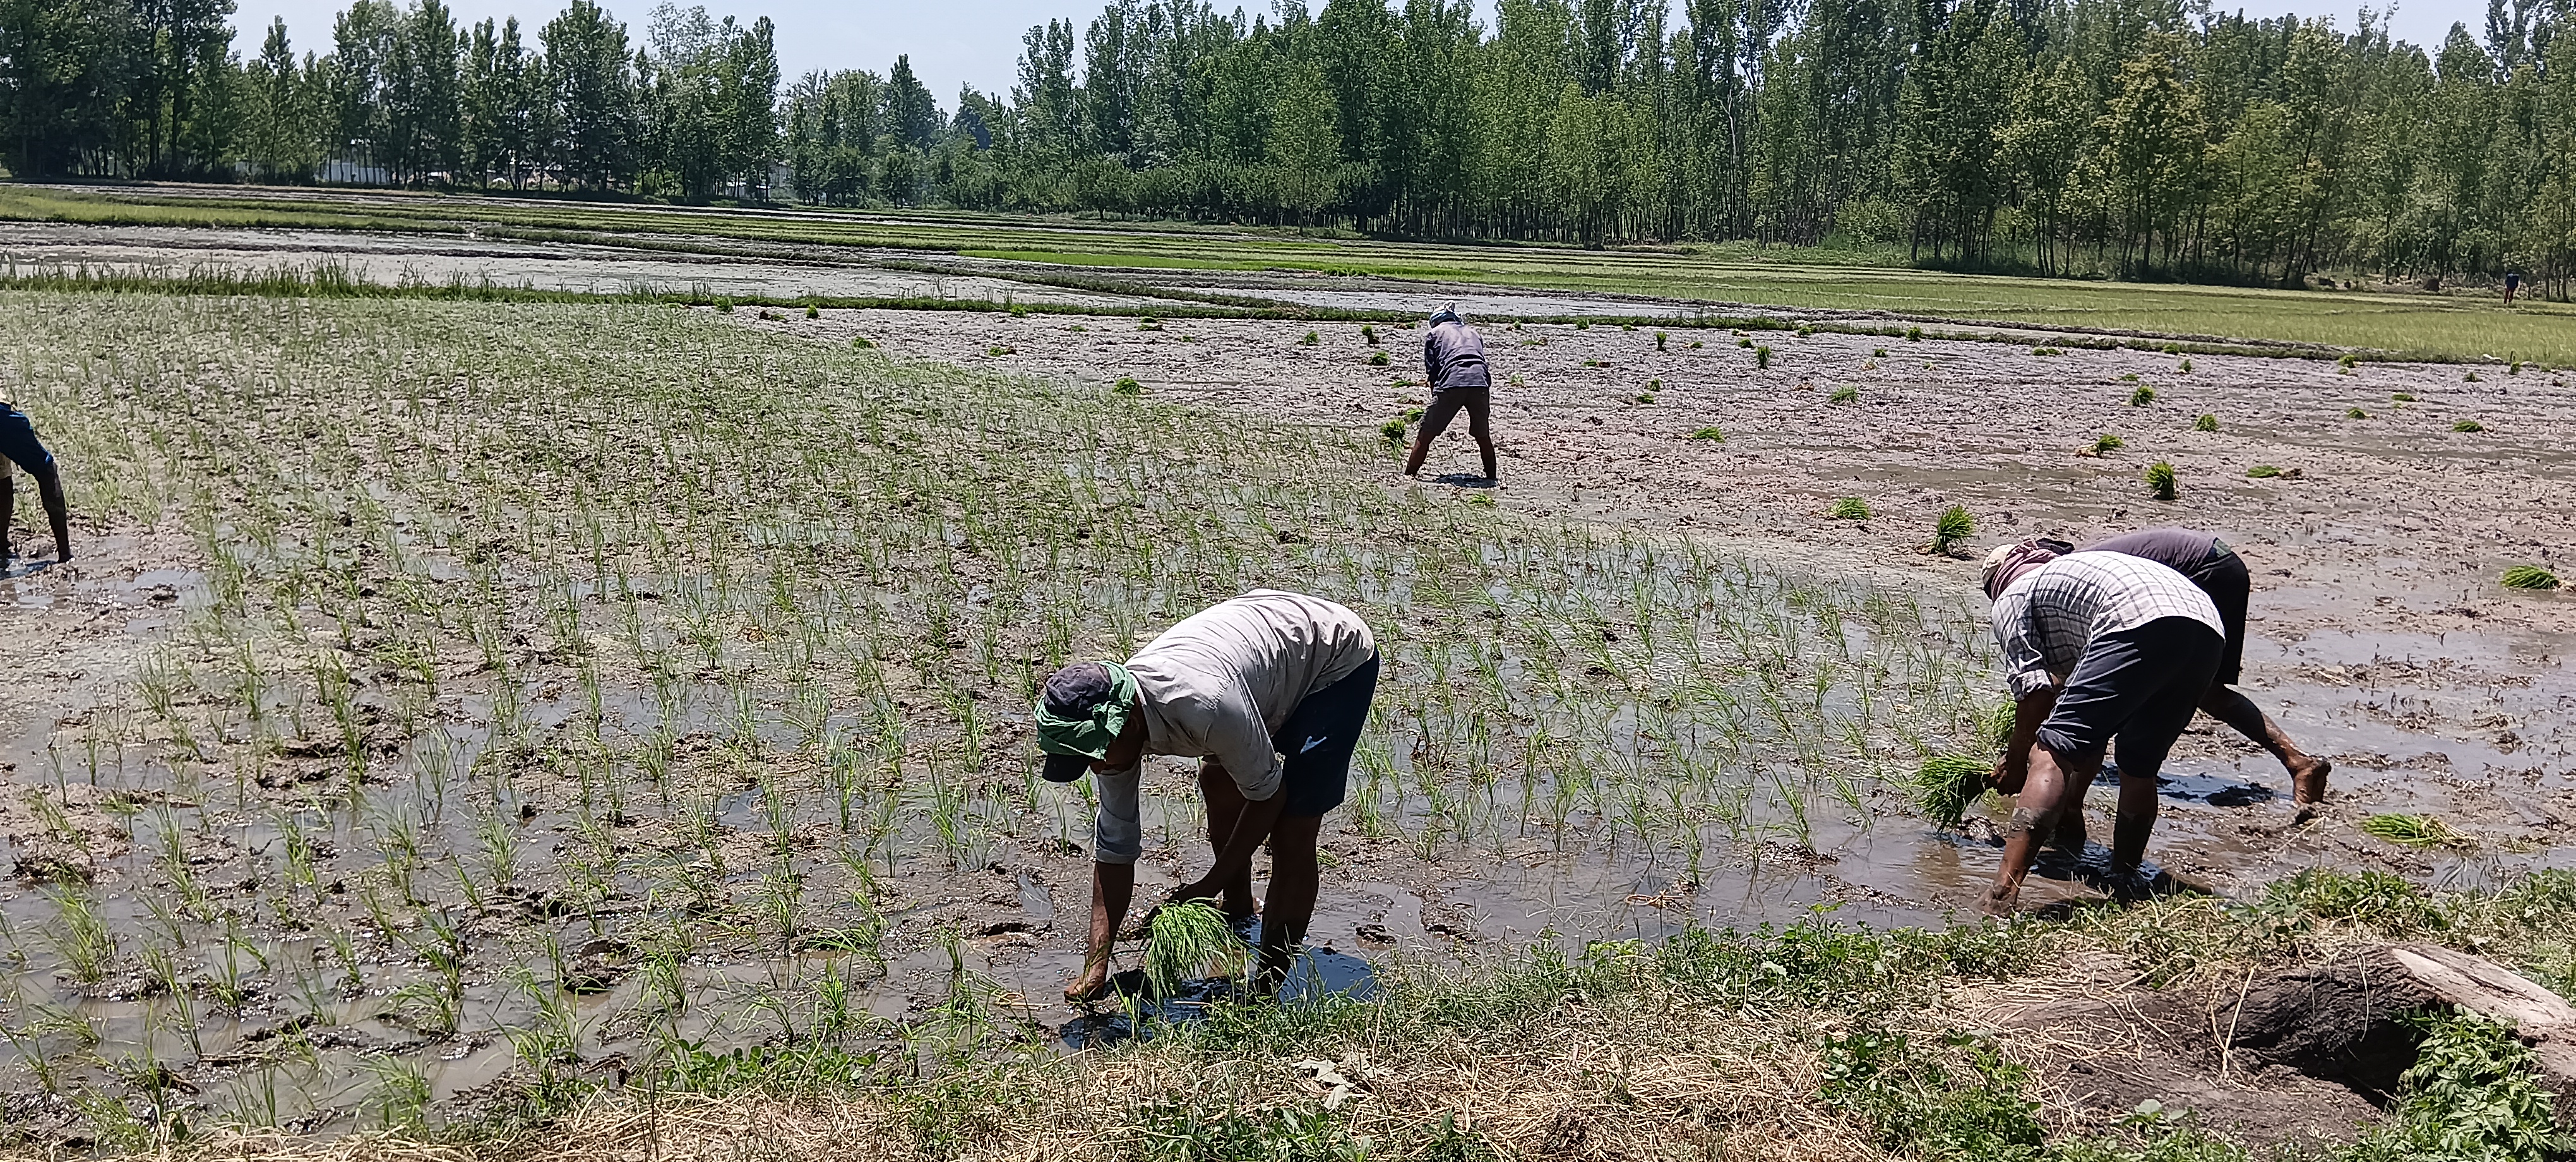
459, 697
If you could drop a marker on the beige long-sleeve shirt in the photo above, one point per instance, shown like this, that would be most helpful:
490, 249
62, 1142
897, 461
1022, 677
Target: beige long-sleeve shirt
1219, 684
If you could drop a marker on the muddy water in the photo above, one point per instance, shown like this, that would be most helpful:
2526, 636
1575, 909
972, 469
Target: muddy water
402, 259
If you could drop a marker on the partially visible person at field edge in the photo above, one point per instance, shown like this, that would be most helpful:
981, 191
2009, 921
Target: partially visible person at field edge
2219, 572
2100, 649
1269, 691
18, 444
2512, 283
1453, 364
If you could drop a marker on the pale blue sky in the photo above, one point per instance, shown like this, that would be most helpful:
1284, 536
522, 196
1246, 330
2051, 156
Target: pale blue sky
955, 42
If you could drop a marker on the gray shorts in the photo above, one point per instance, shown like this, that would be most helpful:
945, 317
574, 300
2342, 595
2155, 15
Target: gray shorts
2138, 688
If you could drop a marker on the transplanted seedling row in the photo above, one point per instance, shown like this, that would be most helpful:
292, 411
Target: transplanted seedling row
585, 680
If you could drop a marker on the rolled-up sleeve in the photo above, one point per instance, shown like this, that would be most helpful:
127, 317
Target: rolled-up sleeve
2017, 635
1118, 834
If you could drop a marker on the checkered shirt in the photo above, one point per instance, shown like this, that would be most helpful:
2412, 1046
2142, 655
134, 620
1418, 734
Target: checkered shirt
2047, 616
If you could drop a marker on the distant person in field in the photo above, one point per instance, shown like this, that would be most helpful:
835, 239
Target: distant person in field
1453, 364
2512, 283
1269, 691
19, 445
2100, 649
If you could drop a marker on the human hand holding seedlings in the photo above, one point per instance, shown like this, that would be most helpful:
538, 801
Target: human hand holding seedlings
2013, 769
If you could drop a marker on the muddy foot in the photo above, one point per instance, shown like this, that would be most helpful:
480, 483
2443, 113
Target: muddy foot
2308, 784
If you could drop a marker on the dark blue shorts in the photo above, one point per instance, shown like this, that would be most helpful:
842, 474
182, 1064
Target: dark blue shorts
18, 442
1316, 742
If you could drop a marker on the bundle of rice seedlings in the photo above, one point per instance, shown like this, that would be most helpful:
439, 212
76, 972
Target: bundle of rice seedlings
2530, 577
1849, 508
1999, 726
1393, 430
2355, 414
1127, 385
2106, 442
1184, 941
2206, 423
2468, 426
1844, 394
1954, 526
1944, 786
2161, 480
2414, 831
2263, 472
1709, 434
2142, 397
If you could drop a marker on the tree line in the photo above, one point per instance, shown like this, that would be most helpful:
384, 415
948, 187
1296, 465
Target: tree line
2140, 138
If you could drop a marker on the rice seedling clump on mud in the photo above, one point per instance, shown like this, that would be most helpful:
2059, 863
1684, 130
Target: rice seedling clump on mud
2530, 577
2263, 472
2206, 423
2106, 442
1187, 941
1951, 528
1849, 508
2414, 831
2162, 483
1127, 385
2142, 397
2468, 426
1712, 435
1844, 394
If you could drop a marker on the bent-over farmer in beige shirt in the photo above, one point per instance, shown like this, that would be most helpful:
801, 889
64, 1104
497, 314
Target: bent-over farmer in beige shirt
1270, 692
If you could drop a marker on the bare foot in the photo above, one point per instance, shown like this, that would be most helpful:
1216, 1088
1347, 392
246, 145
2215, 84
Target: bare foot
1093, 985
2308, 783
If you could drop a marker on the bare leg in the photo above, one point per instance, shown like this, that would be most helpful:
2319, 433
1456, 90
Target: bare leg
2307, 772
49, 488
8, 508
1294, 881
2053, 787
2138, 806
1225, 806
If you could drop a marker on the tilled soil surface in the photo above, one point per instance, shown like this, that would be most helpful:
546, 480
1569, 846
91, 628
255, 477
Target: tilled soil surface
2380, 635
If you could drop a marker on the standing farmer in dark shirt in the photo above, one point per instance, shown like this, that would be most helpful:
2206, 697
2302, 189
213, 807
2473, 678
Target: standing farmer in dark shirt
18, 444
1453, 363
2219, 572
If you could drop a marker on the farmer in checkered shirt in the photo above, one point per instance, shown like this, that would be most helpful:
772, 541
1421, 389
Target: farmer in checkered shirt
2098, 648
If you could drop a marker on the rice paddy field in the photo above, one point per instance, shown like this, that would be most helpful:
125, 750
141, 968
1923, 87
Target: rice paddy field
601, 727
1175, 265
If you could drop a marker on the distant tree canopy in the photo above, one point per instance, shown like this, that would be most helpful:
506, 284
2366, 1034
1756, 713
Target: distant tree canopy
2131, 137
